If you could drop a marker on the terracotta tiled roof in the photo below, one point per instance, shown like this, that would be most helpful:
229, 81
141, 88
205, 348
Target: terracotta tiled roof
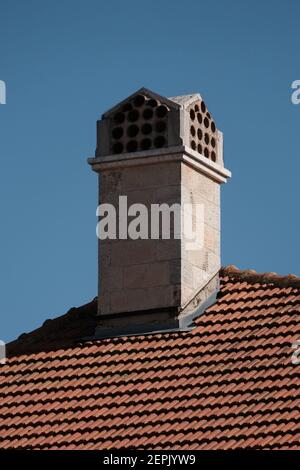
228, 383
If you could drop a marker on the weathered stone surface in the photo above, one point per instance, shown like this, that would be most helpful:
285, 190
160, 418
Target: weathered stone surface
147, 275
112, 278
128, 252
168, 249
212, 239
130, 300
150, 176
133, 271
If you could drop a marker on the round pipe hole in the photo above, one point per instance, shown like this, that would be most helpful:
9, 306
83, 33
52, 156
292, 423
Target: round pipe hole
160, 126
206, 122
199, 134
199, 148
117, 132
208, 115
119, 118
196, 108
193, 131
152, 102
199, 117
206, 138
117, 148
159, 141
213, 156
127, 107
148, 113
146, 128
206, 152
213, 126
139, 100
193, 145
213, 142
132, 130
133, 115
203, 107
192, 114
132, 146
146, 144
161, 111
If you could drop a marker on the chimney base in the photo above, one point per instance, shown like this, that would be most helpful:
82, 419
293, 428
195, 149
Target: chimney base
162, 320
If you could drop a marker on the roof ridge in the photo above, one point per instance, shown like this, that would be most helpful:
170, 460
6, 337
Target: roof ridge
252, 276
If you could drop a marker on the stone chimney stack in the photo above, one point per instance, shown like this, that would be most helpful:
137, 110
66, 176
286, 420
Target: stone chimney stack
159, 151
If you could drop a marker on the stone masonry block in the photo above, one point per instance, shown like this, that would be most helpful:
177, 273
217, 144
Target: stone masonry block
147, 275
168, 249
129, 252
112, 278
128, 300
150, 176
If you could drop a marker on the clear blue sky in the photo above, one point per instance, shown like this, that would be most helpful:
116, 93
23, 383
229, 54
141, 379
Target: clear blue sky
65, 62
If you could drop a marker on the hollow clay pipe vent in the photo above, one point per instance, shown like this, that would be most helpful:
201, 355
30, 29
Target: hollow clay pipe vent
203, 135
140, 124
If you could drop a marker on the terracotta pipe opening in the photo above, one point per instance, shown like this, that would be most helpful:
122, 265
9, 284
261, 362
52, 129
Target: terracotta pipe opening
132, 130
146, 128
161, 111
152, 102
127, 107
133, 115
159, 141
148, 113
119, 117
139, 100
132, 146
118, 147
160, 126
117, 132
146, 144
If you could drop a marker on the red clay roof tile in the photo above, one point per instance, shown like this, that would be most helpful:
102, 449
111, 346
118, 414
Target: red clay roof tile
227, 384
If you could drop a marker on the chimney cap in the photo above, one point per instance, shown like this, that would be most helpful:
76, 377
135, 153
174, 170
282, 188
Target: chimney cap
150, 94
146, 121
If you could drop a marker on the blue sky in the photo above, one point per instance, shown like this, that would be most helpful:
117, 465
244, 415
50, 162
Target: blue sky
65, 62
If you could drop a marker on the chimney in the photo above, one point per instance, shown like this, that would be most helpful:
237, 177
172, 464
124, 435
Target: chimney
161, 153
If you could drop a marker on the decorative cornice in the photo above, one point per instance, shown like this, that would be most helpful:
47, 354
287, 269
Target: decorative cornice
178, 153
